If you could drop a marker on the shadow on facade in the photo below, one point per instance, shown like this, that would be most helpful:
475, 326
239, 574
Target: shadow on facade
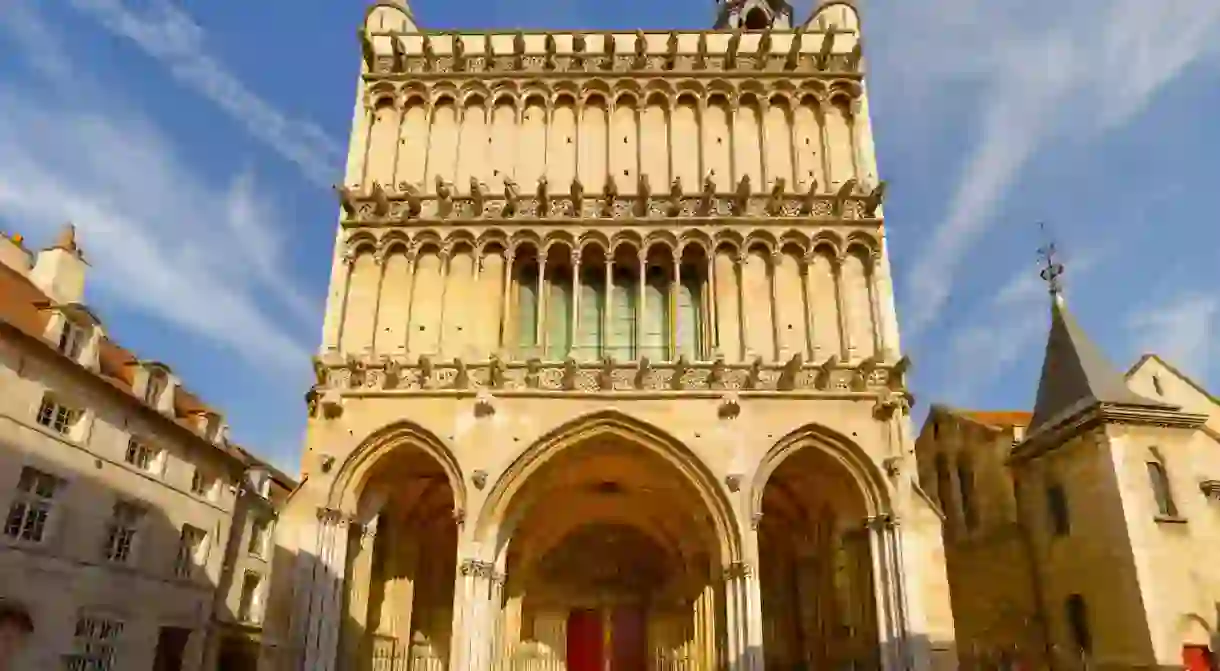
96, 589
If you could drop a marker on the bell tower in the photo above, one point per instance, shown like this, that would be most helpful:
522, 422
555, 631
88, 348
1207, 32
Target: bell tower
753, 15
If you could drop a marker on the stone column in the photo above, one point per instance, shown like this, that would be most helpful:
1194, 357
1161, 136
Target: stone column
889, 587
744, 618
319, 593
355, 626
475, 618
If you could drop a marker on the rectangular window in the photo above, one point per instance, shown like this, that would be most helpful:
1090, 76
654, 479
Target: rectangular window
122, 530
260, 533
201, 484
71, 341
1078, 623
142, 456
32, 506
192, 551
1158, 479
56, 416
248, 604
94, 644
1057, 506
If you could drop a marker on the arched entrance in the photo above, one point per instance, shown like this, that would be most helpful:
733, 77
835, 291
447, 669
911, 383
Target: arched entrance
401, 568
818, 566
612, 558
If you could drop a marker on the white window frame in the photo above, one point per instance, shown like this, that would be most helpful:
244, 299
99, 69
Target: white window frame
95, 643
192, 551
72, 340
201, 483
155, 387
144, 457
249, 611
260, 536
123, 532
58, 417
30, 503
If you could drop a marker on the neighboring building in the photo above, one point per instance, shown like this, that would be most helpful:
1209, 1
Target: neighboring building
127, 509
610, 369
1087, 531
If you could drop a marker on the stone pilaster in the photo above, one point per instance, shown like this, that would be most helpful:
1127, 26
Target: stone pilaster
889, 584
475, 617
319, 593
744, 622
355, 625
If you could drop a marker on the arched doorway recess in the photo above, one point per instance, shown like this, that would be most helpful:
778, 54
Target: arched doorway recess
610, 554
819, 560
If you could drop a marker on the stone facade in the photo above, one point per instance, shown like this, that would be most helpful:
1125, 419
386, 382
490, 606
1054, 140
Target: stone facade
610, 369
128, 512
1084, 537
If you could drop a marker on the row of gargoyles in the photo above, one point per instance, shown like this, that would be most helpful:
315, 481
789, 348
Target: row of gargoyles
580, 52
708, 196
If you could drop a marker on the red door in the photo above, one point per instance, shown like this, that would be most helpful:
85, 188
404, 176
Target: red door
1198, 658
585, 641
630, 640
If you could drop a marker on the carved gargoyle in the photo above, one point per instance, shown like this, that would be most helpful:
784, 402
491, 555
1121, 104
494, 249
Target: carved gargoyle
331, 404
874, 199
444, 197
459, 53
730, 56
641, 372
477, 196
519, 51
792, 369
578, 51
898, 373
411, 194
701, 52
888, 402
826, 372
864, 372
775, 204
641, 51
533, 372
605, 376
741, 198
489, 54
366, 48
841, 196
752, 378
321, 372
644, 191
854, 56
671, 51
828, 45
426, 370
716, 377
347, 199
358, 369
609, 195
544, 197
429, 54
462, 379
608, 47
551, 49
707, 199
381, 202
763, 55
576, 194
393, 371
681, 366
571, 374
497, 372
400, 54
810, 200
794, 50
511, 195
675, 197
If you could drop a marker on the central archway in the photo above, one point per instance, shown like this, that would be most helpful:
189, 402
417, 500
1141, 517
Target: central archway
612, 537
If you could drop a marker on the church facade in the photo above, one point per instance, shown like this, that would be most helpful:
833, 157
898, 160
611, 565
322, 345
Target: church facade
610, 374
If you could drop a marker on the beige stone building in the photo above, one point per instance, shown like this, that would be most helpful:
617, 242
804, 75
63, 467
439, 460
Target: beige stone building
1084, 534
136, 533
610, 374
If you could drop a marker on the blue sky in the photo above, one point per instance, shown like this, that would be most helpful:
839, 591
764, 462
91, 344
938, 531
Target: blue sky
192, 144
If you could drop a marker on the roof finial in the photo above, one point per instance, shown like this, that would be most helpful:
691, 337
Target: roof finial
66, 240
1052, 269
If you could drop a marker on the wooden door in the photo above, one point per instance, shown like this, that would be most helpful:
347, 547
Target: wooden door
629, 638
585, 641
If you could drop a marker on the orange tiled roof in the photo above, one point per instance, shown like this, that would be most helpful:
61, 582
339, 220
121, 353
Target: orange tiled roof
22, 307
1001, 418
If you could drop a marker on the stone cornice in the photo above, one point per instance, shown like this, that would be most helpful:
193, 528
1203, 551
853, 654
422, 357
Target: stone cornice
1053, 436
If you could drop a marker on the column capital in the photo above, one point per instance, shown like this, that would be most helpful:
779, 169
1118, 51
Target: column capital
737, 570
883, 522
333, 516
481, 569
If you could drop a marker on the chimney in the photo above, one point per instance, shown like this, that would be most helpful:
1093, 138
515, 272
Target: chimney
59, 270
14, 254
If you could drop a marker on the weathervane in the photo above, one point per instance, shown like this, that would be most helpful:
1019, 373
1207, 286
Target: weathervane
1052, 270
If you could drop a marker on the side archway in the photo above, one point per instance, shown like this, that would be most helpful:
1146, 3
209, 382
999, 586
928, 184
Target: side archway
615, 425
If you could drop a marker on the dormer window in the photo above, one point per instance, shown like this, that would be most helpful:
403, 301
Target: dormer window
72, 339
155, 387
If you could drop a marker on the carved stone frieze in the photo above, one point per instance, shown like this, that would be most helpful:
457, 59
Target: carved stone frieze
357, 375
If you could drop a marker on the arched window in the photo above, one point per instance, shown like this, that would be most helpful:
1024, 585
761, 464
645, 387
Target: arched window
656, 314
965, 483
527, 308
690, 313
623, 298
558, 312
589, 338
1158, 478
1078, 623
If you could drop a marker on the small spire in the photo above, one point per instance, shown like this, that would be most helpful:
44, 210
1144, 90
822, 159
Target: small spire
66, 239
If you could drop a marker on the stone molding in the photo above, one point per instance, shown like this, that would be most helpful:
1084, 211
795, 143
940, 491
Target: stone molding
394, 205
363, 375
421, 58
1101, 414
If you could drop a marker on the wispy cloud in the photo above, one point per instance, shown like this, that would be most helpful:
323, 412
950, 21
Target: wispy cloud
171, 37
195, 254
1183, 330
1047, 71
